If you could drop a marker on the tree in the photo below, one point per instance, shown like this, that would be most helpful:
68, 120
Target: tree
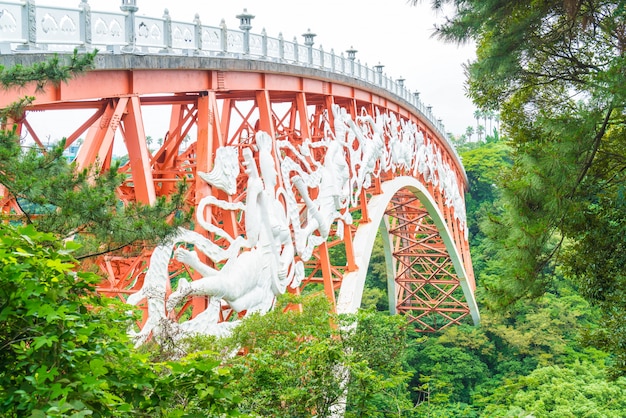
302, 363
554, 391
480, 130
554, 69
64, 350
477, 115
55, 197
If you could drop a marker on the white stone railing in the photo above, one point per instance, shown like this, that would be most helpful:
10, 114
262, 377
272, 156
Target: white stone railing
29, 28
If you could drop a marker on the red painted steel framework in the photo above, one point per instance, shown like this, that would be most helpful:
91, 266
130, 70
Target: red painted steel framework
223, 108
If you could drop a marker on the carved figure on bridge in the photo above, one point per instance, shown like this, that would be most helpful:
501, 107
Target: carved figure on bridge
331, 180
154, 286
402, 144
225, 170
369, 151
250, 280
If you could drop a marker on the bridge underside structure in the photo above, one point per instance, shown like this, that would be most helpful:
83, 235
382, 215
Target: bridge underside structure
292, 172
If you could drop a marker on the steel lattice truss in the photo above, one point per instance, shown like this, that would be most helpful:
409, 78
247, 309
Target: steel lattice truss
428, 289
433, 273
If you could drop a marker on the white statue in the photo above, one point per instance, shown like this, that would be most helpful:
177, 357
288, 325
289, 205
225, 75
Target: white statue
370, 150
225, 170
249, 281
331, 179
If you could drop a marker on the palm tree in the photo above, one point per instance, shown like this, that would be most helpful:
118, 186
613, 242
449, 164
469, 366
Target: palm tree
480, 131
490, 116
497, 119
469, 131
477, 115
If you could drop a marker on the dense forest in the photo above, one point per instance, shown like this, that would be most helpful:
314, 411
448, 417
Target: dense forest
546, 215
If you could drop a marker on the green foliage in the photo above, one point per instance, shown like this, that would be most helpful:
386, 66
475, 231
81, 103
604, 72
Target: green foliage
65, 351
54, 70
484, 165
195, 386
462, 370
555, 70
579, 390
300, 363
54, 350
56, 198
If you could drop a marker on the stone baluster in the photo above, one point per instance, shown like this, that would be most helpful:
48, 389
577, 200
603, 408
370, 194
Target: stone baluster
85, 25
224, 37
281, 47
295, 49
29, 28
198, 30
167, 33
264, 43
130, 8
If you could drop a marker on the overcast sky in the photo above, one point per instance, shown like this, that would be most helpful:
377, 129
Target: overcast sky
390, 32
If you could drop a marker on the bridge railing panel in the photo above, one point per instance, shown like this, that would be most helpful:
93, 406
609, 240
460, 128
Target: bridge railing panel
108, 29
212, 39
303, 55
55, 25
183, 36
256, 45
330, 61
12, 28
150, 33
234, 41
274, 48
317, 58
290, 51
342, 64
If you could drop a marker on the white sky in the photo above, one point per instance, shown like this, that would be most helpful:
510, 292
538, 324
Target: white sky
391, 32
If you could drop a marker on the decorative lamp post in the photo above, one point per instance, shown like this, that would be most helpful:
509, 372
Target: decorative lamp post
379, 70
245, 24
130, 8
400, 82
351, 56
416, 98
308, 41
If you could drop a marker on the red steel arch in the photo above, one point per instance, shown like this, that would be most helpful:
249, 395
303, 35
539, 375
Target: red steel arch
225, 103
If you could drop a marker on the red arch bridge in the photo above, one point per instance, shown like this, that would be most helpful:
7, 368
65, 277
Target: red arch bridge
296, 159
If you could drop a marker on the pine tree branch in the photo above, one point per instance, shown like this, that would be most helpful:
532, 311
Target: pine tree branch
99, 253
596, 145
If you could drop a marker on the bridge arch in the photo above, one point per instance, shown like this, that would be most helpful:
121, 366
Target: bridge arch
351, 292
